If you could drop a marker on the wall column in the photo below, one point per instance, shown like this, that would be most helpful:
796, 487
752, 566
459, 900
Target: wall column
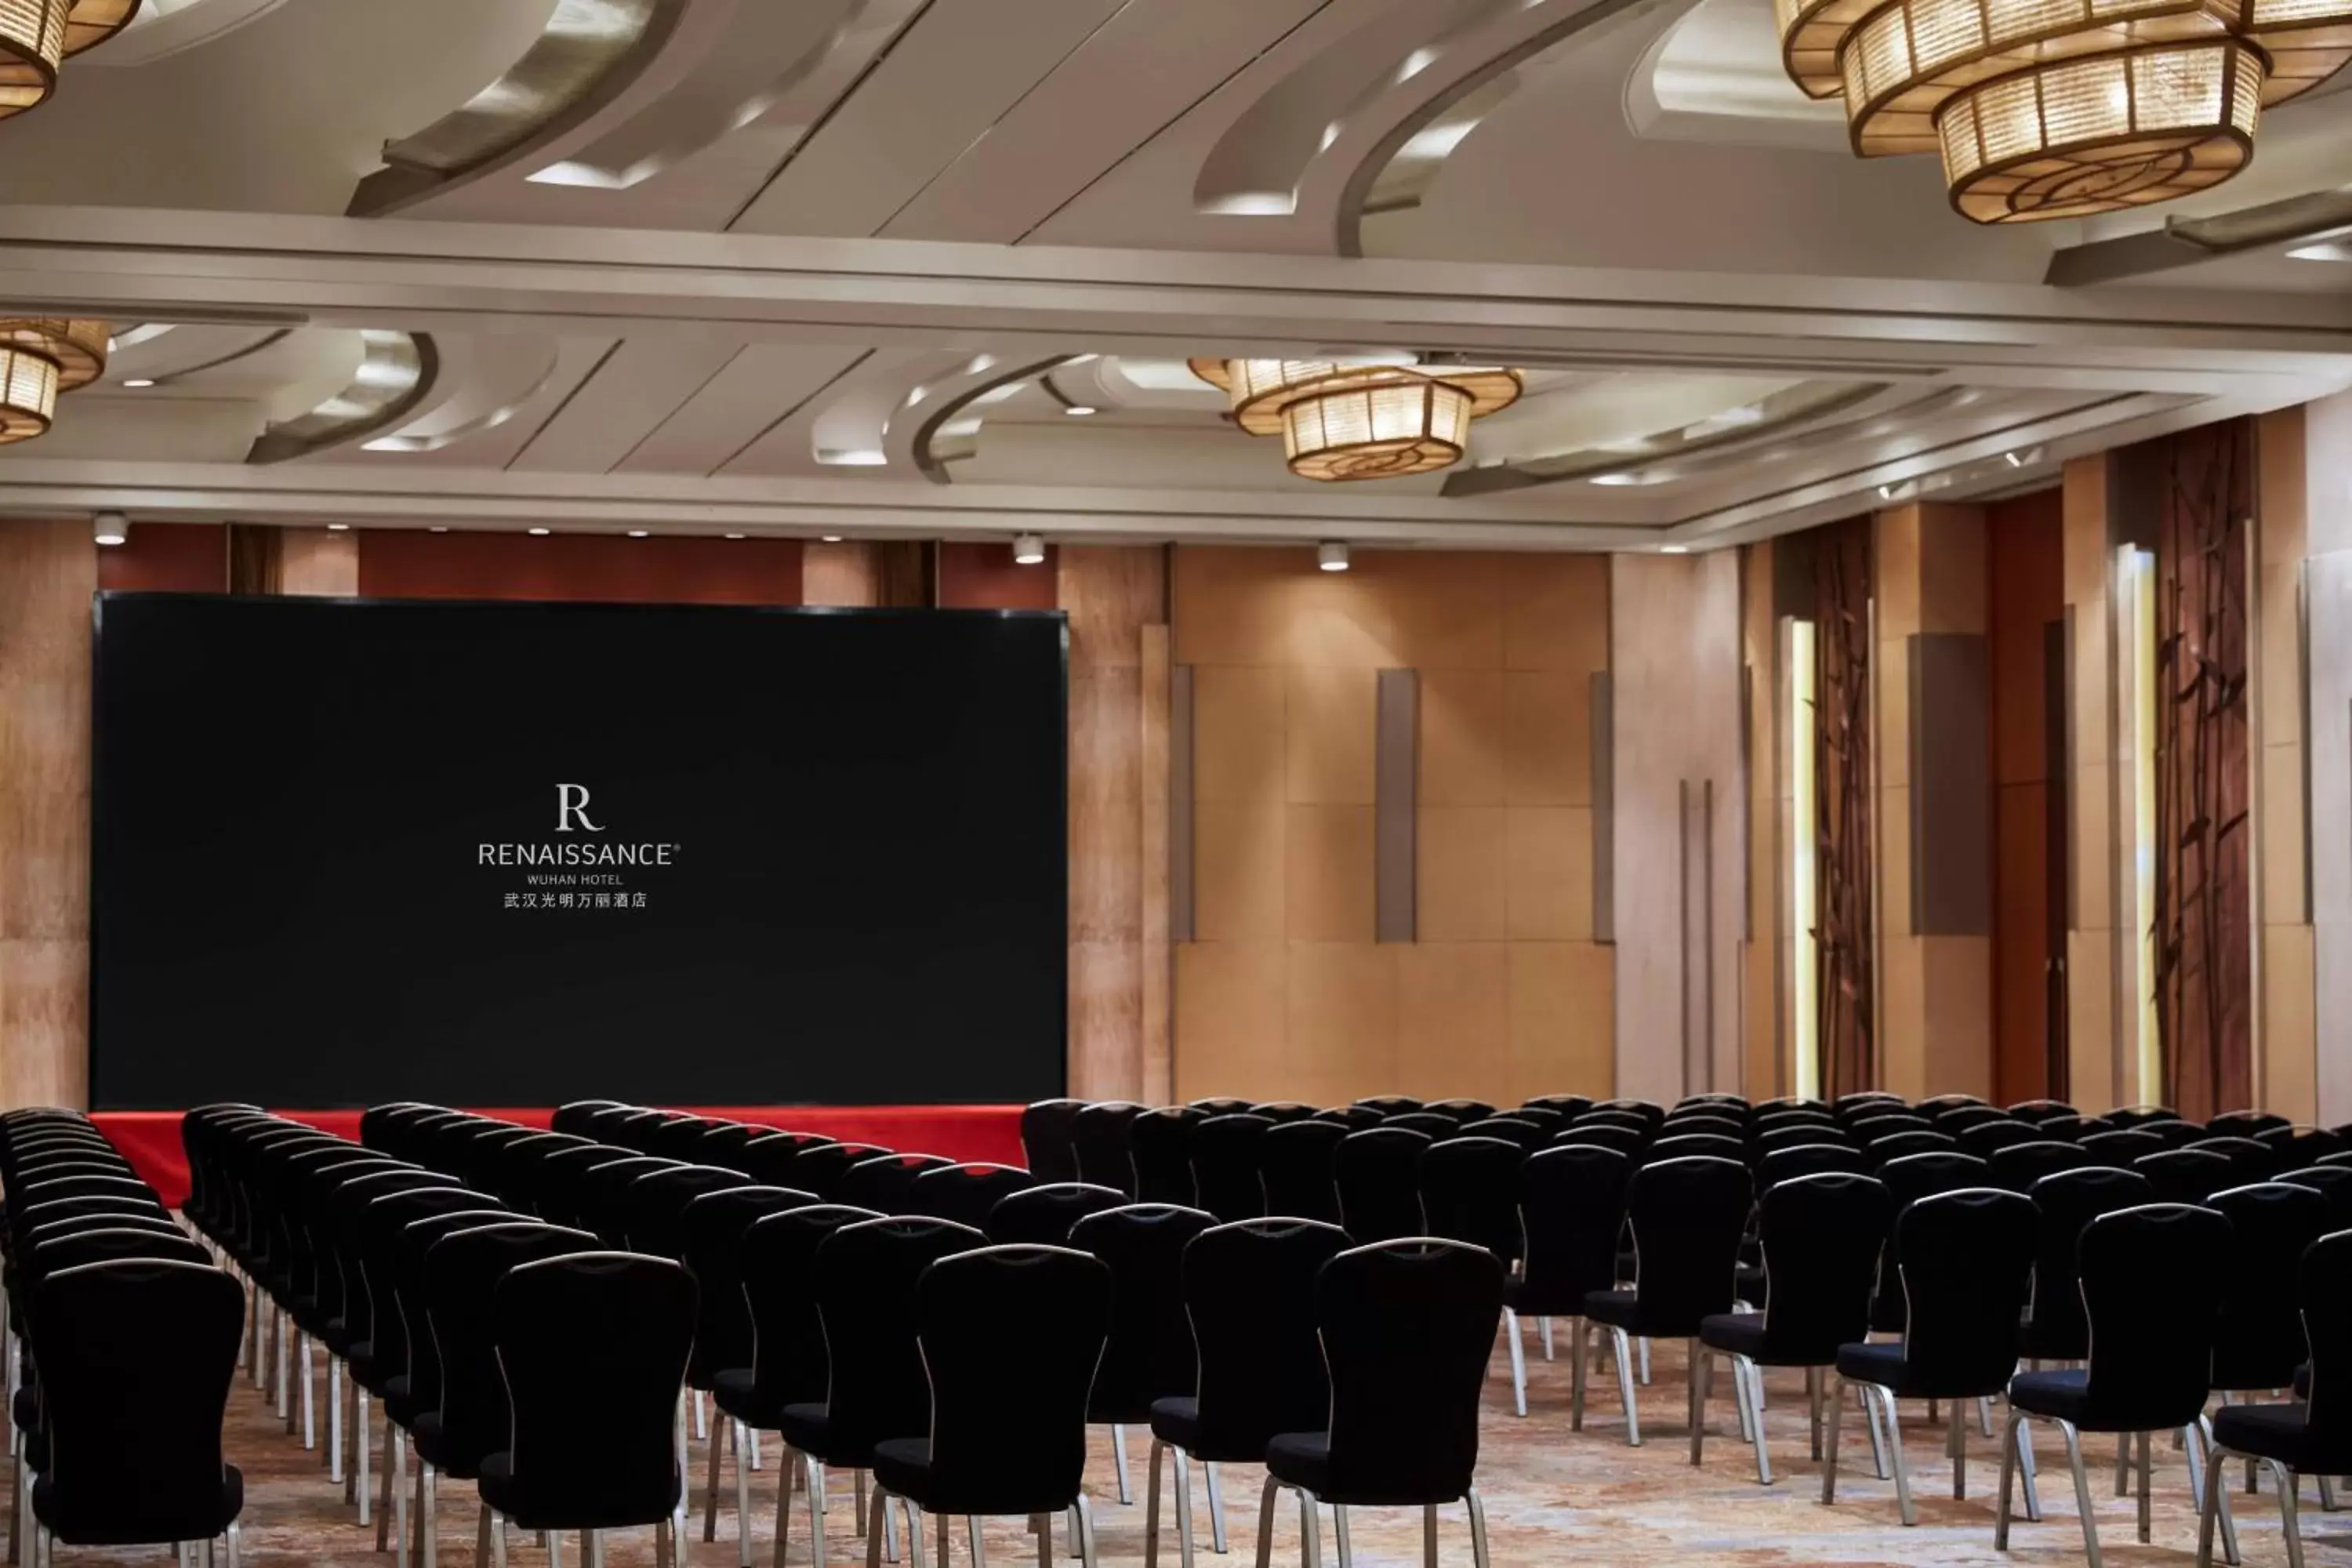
1935, 802
2093, 983
2305, 458
49, 570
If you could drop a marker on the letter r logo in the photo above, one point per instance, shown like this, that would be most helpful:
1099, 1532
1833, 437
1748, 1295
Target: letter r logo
570, 808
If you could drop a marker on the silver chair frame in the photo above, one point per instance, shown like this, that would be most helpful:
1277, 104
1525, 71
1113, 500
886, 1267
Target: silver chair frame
2216, 1504
1878, 1403
2018, 1442
1310, 1534
1082, 1520
1183, 1506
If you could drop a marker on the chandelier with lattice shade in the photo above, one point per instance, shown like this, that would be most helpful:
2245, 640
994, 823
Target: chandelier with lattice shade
41, 356
2052, 108
36, 36
1353, 419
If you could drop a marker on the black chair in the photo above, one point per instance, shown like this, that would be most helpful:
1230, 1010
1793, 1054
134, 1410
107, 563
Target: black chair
1885, 1123
1958, 1118
1908, 1179
2121, 1147
1045, 1140
1149, 1355
591, 1453
2147, 1370
1354, 1118
817, 1168
2066, 1128
135, 1357
790, 1364
2136, 1116
1100, 1134
1887, 1148
605, 1208
1162, 1144
1224, 1165
710, 1245
2251, 1158
2293, 1148
964, 1194
1572, 1212
1528, 1135
1819, 1237
2245, 1123
1603, 1136
885, 1182
1407, 1328
656, 1202
2067, 1201
1377, 1173
2184, 1175
1628, 1120
1984, 1138
1249, 1290
1682, 1124
773, 1159
866, 1274
1569, 1105
1464, 1111
2333, 1182
1043, 1217
1470, 1192
1797, 1161
1295, 1162
1430, 1124
1010, 1338
1389, 1104
1687, 1218
1967, 1265
2260, 1342
2039, 1110
2020, 1165
1549, 1120
1224, 1105
1281, 1111
2310, 1436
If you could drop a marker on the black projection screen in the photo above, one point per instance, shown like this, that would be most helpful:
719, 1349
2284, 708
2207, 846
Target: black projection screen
814, 856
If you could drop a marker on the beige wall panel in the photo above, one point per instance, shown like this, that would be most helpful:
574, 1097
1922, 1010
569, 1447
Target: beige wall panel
1897, 542
2090, 1019
1328, 873
1341, 1032
1556, 613
1107, 591
2093, 805
1233, 607
2279, 771
1548, 857
2282, 534
1439, 611
320, 564
1237, 733
2279, 642
1154, 850
1560, 994
2290, 1061
1329, 727
1453, 1020
1760, 1015
1550, 719
1231, 1006
1465, 738
1891, 680
1956, 988
1462, 874
844, 574
1903, 1046
2085, 502
1237, 870
1894, 827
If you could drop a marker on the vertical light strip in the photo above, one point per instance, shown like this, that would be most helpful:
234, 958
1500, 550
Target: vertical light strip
2137, 572
1804, 894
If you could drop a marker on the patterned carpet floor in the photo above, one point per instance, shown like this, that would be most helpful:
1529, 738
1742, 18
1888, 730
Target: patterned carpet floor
1552, 1497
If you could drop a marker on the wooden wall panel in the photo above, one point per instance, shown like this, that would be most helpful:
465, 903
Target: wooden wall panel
49, 570
845, 575
318, 563
1561, 995
1328, 873
1453, 1018
402, 564
167, 558
1464, 872
2025, 596
976, 577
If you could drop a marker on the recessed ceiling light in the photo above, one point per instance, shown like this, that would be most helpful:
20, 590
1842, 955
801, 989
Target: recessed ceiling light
537, 532
1674, 550
140, 381
2012, 459
109, 528
437, 527
1080, 410
828, 539
637, 533
1886, 492
1331, 555
734, 536
339, 528
1028, 549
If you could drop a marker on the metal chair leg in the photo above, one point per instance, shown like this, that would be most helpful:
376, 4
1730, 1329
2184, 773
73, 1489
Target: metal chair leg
2145, 1503
1701, 1363
2082, 1491
1216, 1505
1623, 1344
1429, 1536
1746, 1378
1479, 1553
334, 1418
1151, 1502
1581, 1356
1184, 1547
2022, 1447
1959, 1441
2288, 1483
1311, 1530
1266, 1523
2007, 1474
1118, 1463
742, 1497
710, 1496
1339, 1529
816, 1511
972, 1534
1830, 1460
1086, 1533
1645, 1360
1878, 1438
359, 1474
307, 1357
1545, 1328
1519, 1361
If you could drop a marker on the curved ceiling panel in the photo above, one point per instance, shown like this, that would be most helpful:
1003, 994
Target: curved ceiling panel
1715, 74
395, 371
162, 28
950, 431
588, 52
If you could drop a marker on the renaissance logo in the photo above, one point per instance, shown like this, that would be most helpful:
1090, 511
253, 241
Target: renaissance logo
566, 862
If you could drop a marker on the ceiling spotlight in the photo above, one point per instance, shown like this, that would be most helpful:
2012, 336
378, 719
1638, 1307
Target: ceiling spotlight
734, 536
1028, 549
1080, 410
339, 528
637, 533
537, 532
2012, 459
437, 527
109, 528
135, 383
1674, 550
828, 539
1886, 492
1331, 555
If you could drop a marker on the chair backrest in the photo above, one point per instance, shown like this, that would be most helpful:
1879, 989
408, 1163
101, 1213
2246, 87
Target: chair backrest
865, 1280
2068, 1201
2333, 1182
577, 1116
818, 1168
1224, 1165
2040, 1110
1043, 1217
2293, 1148
710, 1245
1515, 1129
1356, 1118
462, 1270
72, 1248
2260, 1340
595, 1451
1378, 1172
885, 1182
1908, 1179
778, 1266
2185, 1176
2133, 1116
1295, 1161
2122, 1146
2155, 1368
1464, 1111
1011, 1337
1045, 1139
1281, 1111
2245, 1123
1686, 1216
2020, 1165
772, 1158
605, 1205
2323, 1295
2251, 1158
1795, 1160
1100, 1134
1249, 1290
136, 1355
1572, 1212
1389, 1104
1161, 1143
1958, 1118
1967, 1269
1624, 1121
964, 1194
1567, 1105
1430, 1124
1470, 1192
1693, 1124
1982, 1136
1407, 1329
1888, 1147
1821, 1237
655, 1203
1673, 1144
1149, 1354
1220, 1105
1603, 1136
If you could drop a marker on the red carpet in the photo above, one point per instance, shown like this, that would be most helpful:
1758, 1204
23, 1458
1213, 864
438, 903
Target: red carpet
150, 1139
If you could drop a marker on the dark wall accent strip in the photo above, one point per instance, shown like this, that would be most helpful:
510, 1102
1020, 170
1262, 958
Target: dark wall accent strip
1951, 786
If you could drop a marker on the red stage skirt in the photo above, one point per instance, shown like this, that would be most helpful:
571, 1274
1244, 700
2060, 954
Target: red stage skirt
150, 1139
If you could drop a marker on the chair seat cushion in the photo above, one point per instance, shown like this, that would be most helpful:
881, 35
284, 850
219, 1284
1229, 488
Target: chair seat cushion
113, 1517
809, 1429
361, 1360
1736, 1333
399, 1395
1625, 1309
736, 1391
434, 1444
503, 1493
2063, 1396
26, 1410
1304, 1459
1880, 1363
1177, 1420
903, 1465
2278, 1432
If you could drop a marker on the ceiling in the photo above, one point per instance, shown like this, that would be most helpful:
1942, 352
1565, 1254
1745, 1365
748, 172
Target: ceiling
705, 265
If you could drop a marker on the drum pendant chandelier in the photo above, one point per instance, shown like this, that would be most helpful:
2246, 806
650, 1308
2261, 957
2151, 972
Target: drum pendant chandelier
2057, 109
41, 356
36, 36
1343, 420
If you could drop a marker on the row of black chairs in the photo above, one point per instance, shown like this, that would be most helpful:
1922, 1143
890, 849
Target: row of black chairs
122, 1338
